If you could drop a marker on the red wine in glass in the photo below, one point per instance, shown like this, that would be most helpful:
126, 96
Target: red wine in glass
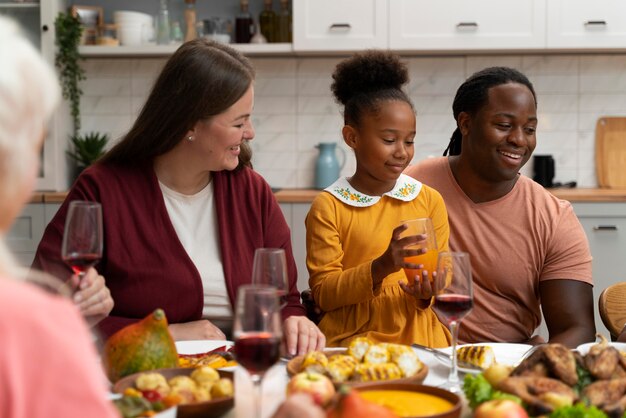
80, 263
83, 236
453, 307
257, 352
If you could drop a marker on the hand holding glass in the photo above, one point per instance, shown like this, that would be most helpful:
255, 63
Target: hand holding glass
421, 226
453, 300
270, 268
82, 237
257, 331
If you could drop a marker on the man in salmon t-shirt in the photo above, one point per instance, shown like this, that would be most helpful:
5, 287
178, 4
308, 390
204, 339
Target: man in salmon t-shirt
528, 250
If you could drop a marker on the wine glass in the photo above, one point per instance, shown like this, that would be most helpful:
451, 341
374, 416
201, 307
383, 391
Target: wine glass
82, 237
453, 301
420, 226
270, 268
257, 332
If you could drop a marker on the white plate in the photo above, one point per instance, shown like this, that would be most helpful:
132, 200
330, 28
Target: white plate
505, 353
584, 348
201, 346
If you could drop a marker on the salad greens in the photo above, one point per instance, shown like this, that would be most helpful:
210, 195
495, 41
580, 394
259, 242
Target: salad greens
478, 390
579, 410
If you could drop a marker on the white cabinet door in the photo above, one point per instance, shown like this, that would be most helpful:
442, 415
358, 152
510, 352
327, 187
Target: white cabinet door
466, 24
605, 226
37, 21
339, 25
586, 24
26, 232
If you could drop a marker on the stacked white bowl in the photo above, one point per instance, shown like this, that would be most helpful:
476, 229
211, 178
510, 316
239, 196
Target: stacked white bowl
133, 28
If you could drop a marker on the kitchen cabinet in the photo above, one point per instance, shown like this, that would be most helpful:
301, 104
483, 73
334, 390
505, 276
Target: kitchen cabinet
339, 25
581, 24
37, 21
466, 24
605, 227
295, 214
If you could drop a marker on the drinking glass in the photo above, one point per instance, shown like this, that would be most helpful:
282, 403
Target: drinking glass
453, 301
421, 226
257, 333
270, 268
82, 237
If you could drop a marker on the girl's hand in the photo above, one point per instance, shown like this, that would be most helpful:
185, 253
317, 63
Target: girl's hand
392, 259
422, 290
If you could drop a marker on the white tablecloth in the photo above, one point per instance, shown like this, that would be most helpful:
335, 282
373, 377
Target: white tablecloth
276, 380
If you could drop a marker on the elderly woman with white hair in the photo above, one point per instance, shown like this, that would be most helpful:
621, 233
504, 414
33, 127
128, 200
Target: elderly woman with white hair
48, 363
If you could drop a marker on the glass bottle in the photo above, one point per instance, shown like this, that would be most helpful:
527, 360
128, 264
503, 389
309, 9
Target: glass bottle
283, 26
177, 33
267, 21
163, 30
190, 20
243, 24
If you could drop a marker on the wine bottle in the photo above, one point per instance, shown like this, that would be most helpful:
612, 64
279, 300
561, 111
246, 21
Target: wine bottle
267, 21
244, 27
283, 25
190, 20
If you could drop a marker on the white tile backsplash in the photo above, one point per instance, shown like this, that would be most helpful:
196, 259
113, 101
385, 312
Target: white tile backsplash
295, 110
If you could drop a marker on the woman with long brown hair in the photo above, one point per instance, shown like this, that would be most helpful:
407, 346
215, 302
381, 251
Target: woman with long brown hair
183, 211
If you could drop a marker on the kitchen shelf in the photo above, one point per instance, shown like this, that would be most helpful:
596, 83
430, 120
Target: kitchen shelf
4, 5
151, 50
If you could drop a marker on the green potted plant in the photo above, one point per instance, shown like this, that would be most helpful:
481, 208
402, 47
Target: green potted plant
86, 148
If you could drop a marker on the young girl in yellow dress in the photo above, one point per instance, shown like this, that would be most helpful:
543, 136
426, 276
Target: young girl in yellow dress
354, 251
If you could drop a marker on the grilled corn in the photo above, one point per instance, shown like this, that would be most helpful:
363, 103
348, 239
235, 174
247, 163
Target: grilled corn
372, 372
341, 367
376, 354
359, 346
478, 355
408, 362
314, 361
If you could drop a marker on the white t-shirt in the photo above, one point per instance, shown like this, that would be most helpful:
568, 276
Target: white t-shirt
195, 221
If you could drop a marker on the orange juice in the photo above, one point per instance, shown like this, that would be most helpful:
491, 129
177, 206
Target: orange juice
428, 259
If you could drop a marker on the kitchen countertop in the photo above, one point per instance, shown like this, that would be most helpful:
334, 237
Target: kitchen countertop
307, 195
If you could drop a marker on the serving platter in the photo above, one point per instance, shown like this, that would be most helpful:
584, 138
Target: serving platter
209, 409
506, 353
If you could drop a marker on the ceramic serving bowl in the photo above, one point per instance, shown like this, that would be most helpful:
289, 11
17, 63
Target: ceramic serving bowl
410, 400
209, 409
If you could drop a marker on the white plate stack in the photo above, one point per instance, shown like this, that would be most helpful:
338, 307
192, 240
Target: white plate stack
133, 28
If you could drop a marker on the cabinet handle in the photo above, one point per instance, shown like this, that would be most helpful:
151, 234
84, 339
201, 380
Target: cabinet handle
467, 25
340, 27
595, 23
605, 228
44, 28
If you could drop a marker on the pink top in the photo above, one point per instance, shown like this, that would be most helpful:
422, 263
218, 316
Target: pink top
515, 242
48, 363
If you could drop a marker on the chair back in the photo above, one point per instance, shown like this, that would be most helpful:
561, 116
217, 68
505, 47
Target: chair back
612, 307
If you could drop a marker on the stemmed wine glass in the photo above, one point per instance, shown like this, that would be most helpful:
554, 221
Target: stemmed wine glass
82, 237
270, 268
257, 332
421, 226
454, 299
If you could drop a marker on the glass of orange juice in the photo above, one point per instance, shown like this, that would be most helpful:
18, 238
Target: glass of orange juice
421, 226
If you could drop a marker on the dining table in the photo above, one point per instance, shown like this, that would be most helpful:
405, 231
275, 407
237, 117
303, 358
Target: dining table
275, 382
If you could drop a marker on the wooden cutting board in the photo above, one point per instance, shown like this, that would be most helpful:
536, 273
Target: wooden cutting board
611, 152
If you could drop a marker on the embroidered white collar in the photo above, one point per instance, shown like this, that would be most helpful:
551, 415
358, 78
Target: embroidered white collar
406, 189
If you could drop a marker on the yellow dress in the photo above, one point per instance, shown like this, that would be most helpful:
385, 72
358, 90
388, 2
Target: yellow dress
345, 231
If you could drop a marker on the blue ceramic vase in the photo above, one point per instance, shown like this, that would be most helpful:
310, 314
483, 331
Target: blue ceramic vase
327, 166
